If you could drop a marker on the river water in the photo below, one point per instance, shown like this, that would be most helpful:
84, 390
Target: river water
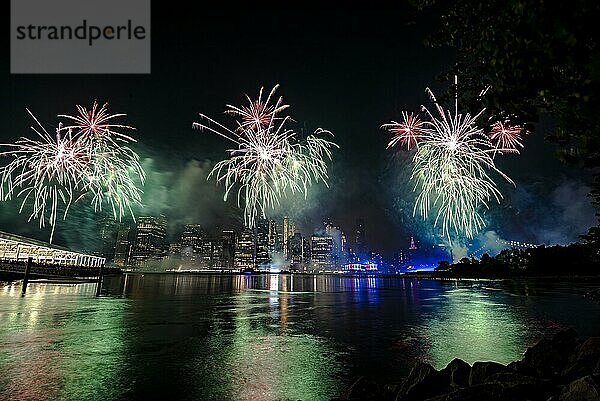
264, 337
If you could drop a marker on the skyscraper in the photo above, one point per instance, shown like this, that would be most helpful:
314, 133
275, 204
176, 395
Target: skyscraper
213, 255
273, 237
336, 234
263, 231
299, 250
245, 250
286, 234
322, 252
228, 248
191, 242
149, 240
123, 245
360, 240
108, 237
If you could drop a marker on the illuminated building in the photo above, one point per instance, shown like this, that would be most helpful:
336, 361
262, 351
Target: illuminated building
299, 250
351, 256
322, 252
175, 250
17, 249
375, 259
360, 239
401, 259
361, 267
517, 244
213, 254
287, 228
228, 248
108, 237
191, 242
123, 246
149, 241
263, 237
339, 242
274, 240
245, 250
411, 254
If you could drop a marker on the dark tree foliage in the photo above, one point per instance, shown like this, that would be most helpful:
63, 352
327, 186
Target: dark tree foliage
592, 238
539, 58
572, 260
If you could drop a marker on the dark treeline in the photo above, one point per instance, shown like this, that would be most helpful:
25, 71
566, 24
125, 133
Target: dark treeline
572, 260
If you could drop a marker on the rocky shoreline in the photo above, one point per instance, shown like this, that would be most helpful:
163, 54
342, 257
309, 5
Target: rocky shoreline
594, 295
561, 368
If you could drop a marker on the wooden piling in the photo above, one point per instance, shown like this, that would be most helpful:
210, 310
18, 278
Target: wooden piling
26, 276
100, 274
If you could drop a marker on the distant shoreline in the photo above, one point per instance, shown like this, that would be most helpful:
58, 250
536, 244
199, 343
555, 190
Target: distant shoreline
430, 275
415, 275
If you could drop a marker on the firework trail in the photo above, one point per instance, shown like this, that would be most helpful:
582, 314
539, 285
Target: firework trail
113, 169
453, 163
268, 159
47, 171
52, 172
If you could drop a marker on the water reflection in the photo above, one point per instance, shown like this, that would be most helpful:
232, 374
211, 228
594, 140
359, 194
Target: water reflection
59, 350
263, 337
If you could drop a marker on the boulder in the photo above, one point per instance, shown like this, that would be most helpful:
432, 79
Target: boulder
458, 372
423, 382
549, 357
481, 371
585, 360
584, 389
480, 392
520, 387
364, 390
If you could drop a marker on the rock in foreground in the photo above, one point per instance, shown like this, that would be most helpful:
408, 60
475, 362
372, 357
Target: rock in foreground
561, 368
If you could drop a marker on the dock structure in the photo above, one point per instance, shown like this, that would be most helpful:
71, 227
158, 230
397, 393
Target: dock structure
18, 249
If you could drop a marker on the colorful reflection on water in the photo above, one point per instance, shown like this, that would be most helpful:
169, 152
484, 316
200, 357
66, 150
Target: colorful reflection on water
263, 337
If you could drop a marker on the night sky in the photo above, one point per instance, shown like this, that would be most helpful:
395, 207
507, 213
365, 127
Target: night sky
346, 69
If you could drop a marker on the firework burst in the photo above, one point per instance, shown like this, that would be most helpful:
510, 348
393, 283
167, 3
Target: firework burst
453, 167
406, 133
114, 168
268, 159
506, 136
258, 114
48, 171
96, 122
51, 172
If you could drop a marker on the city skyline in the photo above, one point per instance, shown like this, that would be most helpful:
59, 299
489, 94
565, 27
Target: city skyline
391, 68
273, 245
292, 201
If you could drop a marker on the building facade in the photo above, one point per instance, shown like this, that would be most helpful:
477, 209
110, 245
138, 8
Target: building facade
245, 250
149, 240
123, 245
322, 252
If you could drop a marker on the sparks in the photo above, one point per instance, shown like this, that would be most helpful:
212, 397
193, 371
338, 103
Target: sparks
51, 172
507, 136
406, 133
268, 159
114, 168
258, 114
452, 167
